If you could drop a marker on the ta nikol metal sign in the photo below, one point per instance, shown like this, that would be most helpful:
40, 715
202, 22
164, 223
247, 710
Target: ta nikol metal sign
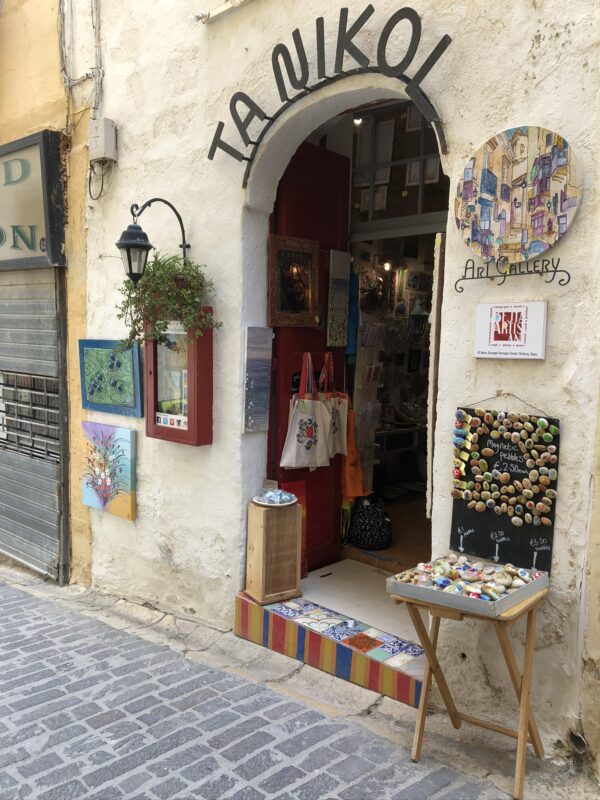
298, 76
31, 203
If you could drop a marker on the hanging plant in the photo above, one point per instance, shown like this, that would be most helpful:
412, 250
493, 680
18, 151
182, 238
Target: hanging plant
172, 288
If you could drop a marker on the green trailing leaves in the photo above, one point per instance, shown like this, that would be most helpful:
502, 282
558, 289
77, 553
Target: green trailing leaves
172, 288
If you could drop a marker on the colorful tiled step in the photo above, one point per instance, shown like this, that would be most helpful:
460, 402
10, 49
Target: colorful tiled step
334, 643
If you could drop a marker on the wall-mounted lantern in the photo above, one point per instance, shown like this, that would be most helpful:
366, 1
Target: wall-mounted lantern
134, 244
178, 374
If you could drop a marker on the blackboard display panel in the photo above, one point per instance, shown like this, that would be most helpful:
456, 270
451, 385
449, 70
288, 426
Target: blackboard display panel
486, 451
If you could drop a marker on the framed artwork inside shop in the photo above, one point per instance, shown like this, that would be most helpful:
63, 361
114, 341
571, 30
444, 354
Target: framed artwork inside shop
339, 288
413, 173
179, 386
432, 169
110, 377
293, 282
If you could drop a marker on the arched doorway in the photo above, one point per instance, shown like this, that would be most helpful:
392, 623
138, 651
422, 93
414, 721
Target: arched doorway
389, 219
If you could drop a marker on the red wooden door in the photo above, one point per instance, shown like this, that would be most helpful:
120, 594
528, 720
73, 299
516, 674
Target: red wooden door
312, 203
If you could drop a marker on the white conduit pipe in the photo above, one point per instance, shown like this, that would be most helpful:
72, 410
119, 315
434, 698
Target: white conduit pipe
228, 5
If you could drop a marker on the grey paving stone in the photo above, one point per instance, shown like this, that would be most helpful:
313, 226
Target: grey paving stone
311, 736
259, 763
235, 732
215, 788
157, 714
201, 769
105, 718
316, 788
39, 765
351, 768
63, 735
466, 791
281, 779
59, 775
37, 699
283, 710
133, 782
247, 793
217, 721
139, 757
319, 759
168, 788
430, 784
247, 746
197, 697
67, 791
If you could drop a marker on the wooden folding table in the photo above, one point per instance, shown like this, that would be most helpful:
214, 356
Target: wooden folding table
527, 730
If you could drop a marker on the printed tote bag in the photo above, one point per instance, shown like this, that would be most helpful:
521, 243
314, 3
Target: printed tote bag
306, 443
337, 402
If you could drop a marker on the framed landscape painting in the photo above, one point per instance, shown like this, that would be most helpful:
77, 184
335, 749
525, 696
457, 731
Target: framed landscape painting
110, 377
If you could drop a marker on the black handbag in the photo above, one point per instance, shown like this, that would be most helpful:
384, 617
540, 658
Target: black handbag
370, 526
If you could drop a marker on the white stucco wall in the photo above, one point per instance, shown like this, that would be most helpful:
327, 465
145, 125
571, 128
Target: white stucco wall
168, 82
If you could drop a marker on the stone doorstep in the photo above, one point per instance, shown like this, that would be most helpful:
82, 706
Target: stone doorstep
323, 639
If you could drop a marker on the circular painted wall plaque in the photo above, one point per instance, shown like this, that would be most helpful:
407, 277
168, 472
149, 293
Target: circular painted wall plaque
518, 195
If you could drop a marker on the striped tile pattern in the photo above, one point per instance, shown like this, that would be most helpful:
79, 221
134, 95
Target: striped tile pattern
276, 628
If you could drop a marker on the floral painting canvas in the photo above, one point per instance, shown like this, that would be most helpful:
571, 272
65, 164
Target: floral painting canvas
109, 470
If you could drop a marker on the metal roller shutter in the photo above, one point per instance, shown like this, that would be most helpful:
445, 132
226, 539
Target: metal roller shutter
30, 420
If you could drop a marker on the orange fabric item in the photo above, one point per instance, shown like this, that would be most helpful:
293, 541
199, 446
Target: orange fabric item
352, 477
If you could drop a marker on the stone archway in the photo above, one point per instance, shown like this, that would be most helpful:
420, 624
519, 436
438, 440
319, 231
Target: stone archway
277, 148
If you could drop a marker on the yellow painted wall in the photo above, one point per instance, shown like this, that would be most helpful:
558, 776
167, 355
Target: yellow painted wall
33, 98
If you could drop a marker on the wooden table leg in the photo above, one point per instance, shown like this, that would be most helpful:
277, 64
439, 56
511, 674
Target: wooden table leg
524, 704
424, 699
429, 649
515, 676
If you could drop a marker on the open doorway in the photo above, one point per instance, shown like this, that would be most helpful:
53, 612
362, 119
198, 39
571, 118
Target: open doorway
368, 183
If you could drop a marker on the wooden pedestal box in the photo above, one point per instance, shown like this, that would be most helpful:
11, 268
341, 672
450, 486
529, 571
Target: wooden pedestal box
273, 553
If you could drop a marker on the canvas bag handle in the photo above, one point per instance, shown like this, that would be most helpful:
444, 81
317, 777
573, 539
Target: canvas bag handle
326, 376
307, 378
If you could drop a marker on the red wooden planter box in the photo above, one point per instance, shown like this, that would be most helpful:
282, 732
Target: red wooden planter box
199, 393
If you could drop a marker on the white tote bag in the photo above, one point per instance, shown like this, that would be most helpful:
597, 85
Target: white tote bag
337, 402
306, 442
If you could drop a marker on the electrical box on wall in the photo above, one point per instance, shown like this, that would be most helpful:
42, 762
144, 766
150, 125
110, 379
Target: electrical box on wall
103, 140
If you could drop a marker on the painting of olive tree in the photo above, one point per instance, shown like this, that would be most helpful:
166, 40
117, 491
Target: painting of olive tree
110, 377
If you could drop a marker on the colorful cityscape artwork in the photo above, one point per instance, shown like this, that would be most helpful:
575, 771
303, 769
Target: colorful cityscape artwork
109, 469
518, 195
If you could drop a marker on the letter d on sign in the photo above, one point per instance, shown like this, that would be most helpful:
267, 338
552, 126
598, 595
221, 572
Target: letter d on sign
16, 174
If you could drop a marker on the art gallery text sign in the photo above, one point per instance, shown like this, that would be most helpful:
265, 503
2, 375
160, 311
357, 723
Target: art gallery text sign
510, 330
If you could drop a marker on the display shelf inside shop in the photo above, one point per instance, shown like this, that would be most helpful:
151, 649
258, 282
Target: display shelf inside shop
451, 581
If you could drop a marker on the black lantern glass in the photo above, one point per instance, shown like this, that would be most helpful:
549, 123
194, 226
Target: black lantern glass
134, 246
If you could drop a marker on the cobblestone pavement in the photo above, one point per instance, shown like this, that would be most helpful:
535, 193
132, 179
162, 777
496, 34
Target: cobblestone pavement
90, 711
